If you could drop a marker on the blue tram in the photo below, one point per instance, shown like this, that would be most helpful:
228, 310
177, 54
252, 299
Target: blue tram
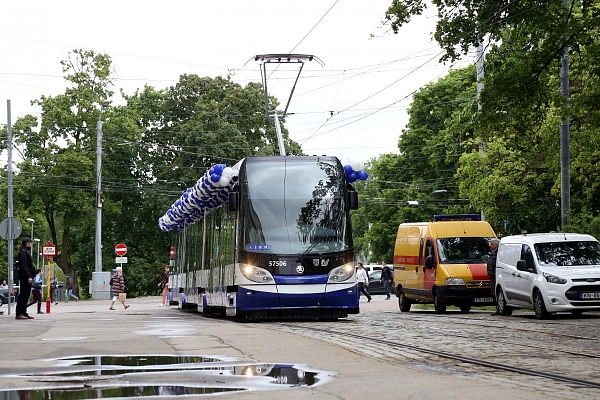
268, 238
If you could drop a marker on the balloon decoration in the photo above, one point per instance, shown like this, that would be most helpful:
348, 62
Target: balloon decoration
354, 170
209, 192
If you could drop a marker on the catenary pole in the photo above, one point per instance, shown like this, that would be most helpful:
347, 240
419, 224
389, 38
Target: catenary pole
565, 153
480, 75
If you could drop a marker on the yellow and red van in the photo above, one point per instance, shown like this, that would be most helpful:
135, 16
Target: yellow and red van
443, 262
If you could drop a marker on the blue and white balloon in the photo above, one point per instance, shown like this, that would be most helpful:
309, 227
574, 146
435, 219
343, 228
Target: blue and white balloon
209, 193
354, 170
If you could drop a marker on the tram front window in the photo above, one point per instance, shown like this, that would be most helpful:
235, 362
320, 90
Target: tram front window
293, 206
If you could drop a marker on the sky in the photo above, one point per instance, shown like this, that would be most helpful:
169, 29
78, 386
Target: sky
354, 106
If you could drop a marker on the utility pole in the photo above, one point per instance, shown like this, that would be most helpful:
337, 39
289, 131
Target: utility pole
10, 235
565, 153
98, 242
480, 75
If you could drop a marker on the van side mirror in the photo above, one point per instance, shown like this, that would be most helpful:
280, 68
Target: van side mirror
429, 262
353, 200
522, 265
232, 201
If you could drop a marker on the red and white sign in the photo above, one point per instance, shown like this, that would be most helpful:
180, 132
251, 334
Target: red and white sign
172, 252
49, 250
121, 249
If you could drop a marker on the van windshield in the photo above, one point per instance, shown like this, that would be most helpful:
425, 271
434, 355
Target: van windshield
568, 253
463, 250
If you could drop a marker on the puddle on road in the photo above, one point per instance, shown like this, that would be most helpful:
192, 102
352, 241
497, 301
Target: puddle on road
109, 393
114, 377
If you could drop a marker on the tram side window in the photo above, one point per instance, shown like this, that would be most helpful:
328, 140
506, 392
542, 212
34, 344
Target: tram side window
208, 242
229, 238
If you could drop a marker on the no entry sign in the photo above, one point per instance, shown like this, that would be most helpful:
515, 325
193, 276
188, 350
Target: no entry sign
121, 249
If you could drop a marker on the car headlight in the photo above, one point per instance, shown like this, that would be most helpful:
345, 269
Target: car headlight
454, 281
256, 274
341, 274
554, 279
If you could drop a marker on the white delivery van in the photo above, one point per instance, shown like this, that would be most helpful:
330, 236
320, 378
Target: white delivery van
548, 272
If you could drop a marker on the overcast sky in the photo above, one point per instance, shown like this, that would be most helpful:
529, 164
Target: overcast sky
352, 107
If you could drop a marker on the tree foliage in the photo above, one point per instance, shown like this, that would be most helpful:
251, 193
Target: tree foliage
516, 181
153, 148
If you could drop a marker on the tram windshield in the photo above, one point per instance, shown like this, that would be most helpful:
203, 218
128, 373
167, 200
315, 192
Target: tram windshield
294, 205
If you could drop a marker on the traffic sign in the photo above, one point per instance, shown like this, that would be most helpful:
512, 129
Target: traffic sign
49, 250
121, 260
121, 249
10, 229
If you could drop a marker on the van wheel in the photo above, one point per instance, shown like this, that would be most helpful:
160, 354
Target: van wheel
439, 304
465, 308
501, 307
403, 302
539, 306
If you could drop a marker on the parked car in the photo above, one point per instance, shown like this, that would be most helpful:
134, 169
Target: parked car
4, 295
548, 272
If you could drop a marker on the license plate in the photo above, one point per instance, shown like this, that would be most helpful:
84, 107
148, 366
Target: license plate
483, 299
590, 295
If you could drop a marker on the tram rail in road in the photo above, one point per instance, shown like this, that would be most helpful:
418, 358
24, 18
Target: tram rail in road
457, 357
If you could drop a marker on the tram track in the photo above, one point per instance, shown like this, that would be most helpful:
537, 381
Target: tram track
477, 322
451, 356
487, 337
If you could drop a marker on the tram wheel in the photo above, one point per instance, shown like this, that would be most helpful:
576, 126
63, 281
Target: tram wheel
539, 306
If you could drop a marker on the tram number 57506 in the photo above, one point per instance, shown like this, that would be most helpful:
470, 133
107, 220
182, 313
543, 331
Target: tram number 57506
277, 263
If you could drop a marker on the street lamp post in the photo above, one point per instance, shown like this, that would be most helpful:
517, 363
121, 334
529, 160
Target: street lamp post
37, 265
32, 221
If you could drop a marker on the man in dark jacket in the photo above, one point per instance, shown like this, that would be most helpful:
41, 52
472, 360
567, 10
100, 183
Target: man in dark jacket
491, 265
386, 278
26, 274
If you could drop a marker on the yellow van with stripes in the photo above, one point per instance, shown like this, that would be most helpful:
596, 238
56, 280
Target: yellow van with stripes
443, 262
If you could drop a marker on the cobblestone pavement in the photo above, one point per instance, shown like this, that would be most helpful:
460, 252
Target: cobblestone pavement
563, 345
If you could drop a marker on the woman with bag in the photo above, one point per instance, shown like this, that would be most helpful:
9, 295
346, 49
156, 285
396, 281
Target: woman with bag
118, 288
36, 291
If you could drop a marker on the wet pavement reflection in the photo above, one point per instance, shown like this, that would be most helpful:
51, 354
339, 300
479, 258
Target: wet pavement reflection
116, 376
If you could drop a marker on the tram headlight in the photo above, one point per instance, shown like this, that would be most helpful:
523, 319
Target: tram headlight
341, 273
256, 274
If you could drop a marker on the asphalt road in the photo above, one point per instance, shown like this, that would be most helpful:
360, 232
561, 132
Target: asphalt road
34, 353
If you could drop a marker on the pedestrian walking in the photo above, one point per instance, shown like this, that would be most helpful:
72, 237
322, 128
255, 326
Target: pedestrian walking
117, 283
164, 285
36, 291
69, 290
26, 273
362, 280
387, 278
